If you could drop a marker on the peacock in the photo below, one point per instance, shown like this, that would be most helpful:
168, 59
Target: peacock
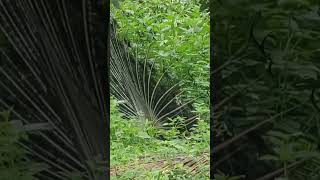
143, 94
54, 80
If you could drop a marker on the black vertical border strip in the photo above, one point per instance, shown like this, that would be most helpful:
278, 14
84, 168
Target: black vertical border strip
103, 7
103, 10
107, 87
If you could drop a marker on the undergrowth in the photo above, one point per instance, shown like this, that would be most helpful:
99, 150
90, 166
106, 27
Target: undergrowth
138, 152
14, 164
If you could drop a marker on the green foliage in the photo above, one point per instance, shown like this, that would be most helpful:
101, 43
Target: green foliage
14, 164
174, 35
221, 176
266, 54
136, 143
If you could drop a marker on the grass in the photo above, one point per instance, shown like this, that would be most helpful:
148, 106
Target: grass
137, 153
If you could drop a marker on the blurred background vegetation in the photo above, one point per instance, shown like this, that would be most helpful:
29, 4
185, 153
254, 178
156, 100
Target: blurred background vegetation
266, 75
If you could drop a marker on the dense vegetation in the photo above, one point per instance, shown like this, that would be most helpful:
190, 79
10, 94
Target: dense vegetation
172, 36
266, 75
137, 153
14, 163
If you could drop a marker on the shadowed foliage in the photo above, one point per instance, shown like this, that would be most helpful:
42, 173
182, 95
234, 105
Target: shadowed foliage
54, 71
266, 75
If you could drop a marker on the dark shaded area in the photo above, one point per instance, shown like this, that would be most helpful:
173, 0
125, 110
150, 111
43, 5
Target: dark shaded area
264, 84
54, 69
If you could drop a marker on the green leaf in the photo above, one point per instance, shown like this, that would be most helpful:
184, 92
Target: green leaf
269, 158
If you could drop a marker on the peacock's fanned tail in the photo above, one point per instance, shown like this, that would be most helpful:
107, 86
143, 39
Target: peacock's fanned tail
144, 93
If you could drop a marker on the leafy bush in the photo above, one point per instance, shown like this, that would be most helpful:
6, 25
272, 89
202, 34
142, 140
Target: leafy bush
14, 163
174, 35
